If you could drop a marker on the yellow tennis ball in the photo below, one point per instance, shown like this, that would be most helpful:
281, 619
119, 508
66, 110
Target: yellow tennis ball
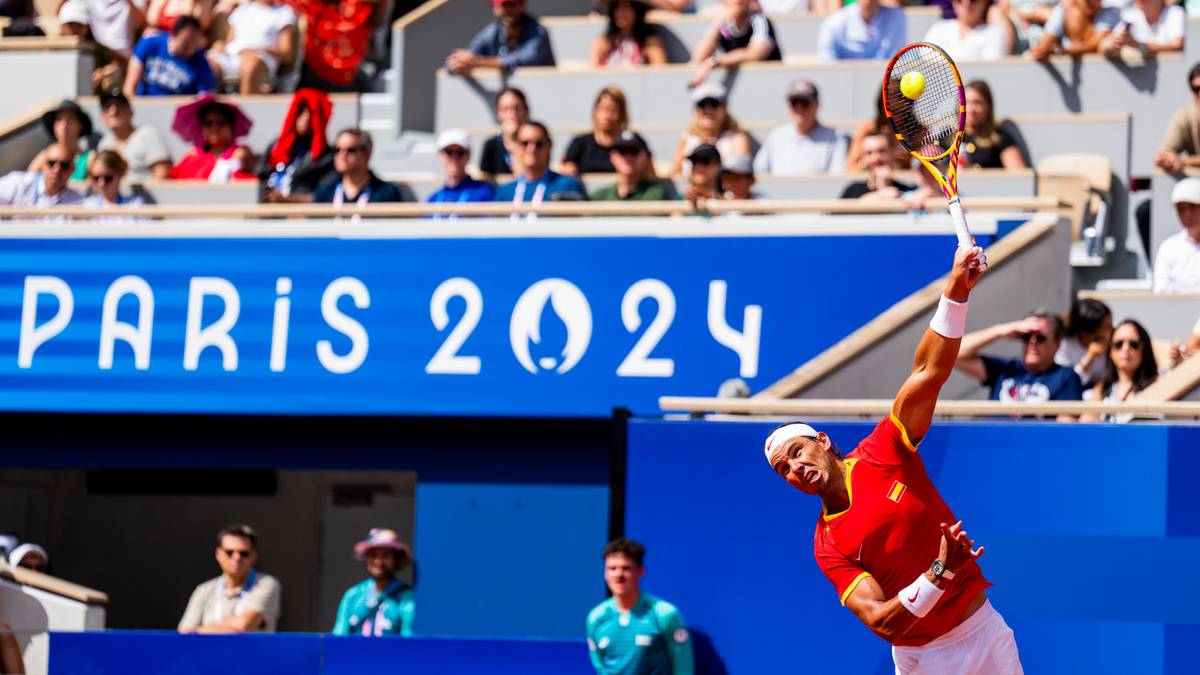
912, 85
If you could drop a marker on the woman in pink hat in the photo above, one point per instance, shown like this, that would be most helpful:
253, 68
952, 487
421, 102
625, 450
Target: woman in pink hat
382, 605
213, 127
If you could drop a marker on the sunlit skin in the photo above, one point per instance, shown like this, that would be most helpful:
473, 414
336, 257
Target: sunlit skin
60, 162
534, 148
970, 13
978, 111
1040, 345
33, 561
454, 164
105, 181
737, 185
623, 577
217, 131
630, 163
510, 15
607, 118
812, 466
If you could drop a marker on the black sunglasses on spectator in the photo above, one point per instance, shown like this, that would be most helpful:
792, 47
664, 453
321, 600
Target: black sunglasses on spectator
708, 103
1132, 344
58, 164
455, 152
103, 177
1037, 338
350, 150
537, 143
231, 553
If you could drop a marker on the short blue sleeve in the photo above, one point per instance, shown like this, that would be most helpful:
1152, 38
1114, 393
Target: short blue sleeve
204, 74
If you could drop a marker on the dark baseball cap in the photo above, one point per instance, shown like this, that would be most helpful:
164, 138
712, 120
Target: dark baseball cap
113, 94
630, 139
706, 153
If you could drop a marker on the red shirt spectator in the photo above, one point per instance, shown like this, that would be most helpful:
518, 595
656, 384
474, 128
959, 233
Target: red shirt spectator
213, 128
336, 39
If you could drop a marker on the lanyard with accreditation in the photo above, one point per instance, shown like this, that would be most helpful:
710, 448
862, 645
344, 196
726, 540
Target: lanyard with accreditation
539, 193
238, 605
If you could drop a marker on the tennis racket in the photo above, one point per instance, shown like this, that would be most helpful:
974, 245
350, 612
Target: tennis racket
930, 124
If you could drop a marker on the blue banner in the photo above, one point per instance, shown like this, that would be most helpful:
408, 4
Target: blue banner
545, 326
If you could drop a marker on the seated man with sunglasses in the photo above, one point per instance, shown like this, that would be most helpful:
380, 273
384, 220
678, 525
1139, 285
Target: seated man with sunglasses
631, 159
242, 599
454, 150
42, 188
1034, 377
537, 183
354, 183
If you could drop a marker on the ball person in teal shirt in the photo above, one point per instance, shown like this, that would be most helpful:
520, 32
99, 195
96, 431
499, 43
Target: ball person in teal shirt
381, 605
634, 633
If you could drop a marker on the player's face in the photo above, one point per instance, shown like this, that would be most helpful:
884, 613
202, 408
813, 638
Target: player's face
622, 575
807, 464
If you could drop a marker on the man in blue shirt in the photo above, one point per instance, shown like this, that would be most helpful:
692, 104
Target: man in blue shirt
454, 149
514, 39
382, 605
864, 30
170, 65
633, 633
1034, 377
537, 183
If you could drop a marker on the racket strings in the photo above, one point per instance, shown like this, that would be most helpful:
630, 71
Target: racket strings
929, 123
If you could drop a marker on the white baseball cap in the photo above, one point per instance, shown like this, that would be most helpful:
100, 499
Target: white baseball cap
451, 137
1186, 190
709, 90
738, 164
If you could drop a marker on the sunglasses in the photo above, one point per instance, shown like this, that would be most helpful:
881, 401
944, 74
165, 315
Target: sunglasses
455, 152
538, 143
103, 177
234, 553
1195, 89
708, 103
1036, 338
801, 102
351, 150
1121, 344
215, 122
58, 164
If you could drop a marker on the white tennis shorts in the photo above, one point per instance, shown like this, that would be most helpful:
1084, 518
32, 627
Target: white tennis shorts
981, 645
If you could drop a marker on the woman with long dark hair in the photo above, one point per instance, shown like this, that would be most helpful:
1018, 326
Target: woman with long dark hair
986, 144
1131, 368
1086, 331
629, 40
499, 154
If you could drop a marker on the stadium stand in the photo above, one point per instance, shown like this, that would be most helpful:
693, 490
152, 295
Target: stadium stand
51, 69
34, 603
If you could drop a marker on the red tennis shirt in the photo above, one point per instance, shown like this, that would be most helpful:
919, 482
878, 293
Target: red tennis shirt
892, 531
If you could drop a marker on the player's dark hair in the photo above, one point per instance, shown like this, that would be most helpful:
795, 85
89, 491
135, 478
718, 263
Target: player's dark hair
1193, 73
832, 445
626, 547
238, 530
1054, 319
1147, 371
1085, 316
183, 23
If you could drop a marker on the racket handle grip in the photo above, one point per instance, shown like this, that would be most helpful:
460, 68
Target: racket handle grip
960, 224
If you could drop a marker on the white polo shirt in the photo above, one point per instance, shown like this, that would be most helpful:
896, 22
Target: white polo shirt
1177, 265
21, 188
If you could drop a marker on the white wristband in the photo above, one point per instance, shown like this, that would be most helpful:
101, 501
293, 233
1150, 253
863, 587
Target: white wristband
950, 319
920, 596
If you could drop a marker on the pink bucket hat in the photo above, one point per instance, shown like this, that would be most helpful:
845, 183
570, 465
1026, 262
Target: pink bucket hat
379, 537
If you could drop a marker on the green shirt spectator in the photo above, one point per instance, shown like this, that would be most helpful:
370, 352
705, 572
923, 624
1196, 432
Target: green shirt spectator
633, 633
646, 190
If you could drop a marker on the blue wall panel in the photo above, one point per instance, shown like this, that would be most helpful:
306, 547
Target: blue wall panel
162, 653
509, 560
1067, 512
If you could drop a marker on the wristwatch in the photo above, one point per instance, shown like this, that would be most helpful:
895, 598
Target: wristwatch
939, 570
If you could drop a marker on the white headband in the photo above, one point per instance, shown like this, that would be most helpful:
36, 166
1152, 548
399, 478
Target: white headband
786, 433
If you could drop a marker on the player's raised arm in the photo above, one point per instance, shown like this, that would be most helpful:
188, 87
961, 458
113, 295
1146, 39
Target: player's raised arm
938, 350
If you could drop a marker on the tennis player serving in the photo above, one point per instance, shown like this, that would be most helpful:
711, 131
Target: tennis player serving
885, 538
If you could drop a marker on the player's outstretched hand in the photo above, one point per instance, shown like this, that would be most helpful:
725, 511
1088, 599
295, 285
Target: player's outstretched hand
957, 548
969, 264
